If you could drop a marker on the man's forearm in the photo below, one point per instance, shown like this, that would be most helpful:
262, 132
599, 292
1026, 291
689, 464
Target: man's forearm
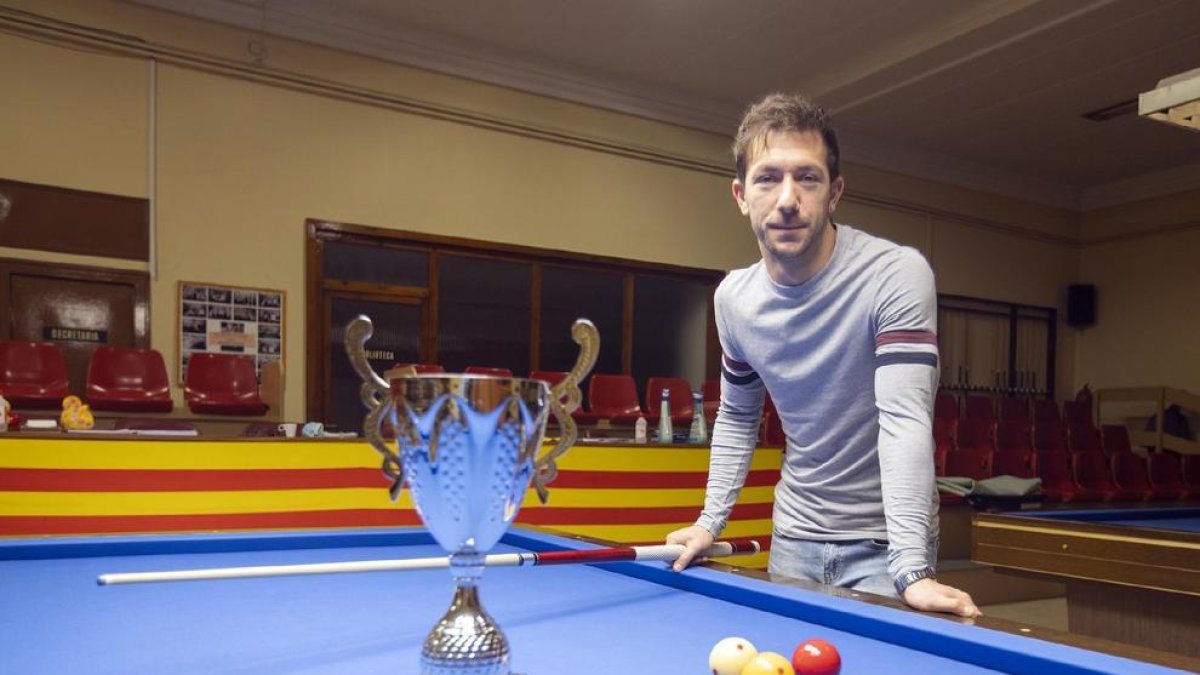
904, 396
734, 438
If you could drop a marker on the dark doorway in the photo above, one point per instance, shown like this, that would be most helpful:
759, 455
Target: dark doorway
396, 339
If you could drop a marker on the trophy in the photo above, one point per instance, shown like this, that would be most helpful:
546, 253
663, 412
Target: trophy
467, 448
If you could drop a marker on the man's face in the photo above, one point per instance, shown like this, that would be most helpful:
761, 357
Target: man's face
788, 197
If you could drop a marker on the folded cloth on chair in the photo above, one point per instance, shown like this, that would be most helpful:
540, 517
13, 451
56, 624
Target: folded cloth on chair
996, 486
955, 485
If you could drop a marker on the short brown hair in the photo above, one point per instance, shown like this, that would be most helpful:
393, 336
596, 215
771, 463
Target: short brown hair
784, 112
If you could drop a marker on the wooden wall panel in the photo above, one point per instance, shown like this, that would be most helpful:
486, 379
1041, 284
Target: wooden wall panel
48, 218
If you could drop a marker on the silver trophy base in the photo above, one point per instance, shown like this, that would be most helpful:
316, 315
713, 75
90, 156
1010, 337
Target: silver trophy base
466, 641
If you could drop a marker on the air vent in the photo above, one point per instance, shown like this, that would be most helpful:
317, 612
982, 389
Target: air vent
1115, 110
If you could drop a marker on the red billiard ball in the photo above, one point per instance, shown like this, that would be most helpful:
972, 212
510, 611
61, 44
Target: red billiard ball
816, 657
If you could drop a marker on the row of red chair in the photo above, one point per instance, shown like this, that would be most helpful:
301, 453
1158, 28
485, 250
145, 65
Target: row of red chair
976, 434
1083, 476
1014, 409
1079, 462
613, 397
33, 376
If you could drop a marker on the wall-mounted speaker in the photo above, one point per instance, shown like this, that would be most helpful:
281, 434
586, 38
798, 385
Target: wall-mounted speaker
1081, 305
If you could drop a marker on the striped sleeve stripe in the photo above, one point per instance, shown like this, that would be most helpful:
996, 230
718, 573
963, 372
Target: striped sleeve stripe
902, 347
739, 379
915, 337
736, 372
734, 365
912, 358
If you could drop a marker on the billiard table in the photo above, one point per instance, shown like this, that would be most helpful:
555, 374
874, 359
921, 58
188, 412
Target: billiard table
636, 618
1131, 574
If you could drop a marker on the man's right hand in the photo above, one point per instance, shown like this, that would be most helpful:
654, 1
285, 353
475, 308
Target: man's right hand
696, 539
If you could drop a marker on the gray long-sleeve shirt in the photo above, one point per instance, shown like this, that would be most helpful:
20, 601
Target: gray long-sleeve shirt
850, 360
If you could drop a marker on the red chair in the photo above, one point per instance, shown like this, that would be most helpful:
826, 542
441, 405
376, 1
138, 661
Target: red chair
1095, 477
939, 468
126, 379
1058, 481
1019, 463
1165, 471
1077, 412
615, 398
553, 377
1115, 439
945, 434
945, 406
939, 462
422, 368
976, 434
974, 464
1045, 411
222, 384
1132, 478
681, 399
487, 370
1014, 437
979, 407
1015, 410
1084, 438
550, 377
712, 399
771, 427
1049, 437
33, 375
1191, 474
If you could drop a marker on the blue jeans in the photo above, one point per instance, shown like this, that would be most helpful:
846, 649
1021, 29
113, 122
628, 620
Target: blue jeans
859, 564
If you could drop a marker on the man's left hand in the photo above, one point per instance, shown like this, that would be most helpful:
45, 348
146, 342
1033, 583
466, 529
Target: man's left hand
928, 595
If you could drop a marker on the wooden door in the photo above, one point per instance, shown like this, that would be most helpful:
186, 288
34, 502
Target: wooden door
76, 308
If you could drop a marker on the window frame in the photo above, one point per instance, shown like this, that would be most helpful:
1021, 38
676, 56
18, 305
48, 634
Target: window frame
1012, 313
321, 232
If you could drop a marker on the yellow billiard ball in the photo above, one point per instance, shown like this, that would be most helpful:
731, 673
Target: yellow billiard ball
768, 663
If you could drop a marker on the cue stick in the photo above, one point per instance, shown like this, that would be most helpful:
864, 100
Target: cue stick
663, 552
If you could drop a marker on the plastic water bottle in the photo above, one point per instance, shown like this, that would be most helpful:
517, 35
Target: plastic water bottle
4, 409
698, 434
665, 433
639, 430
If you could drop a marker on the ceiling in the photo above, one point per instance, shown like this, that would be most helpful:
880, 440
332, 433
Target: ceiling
987, 94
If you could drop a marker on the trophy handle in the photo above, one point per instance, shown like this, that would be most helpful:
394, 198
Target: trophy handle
564, 399
376, 396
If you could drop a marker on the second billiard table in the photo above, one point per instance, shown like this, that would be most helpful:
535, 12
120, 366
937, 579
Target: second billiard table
1131, 574
638, 618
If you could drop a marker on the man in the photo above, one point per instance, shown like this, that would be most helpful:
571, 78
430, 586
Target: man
839, 328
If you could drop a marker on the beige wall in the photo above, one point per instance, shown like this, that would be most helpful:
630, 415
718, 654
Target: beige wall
1146, 268
72, 118
240, 164
979, 245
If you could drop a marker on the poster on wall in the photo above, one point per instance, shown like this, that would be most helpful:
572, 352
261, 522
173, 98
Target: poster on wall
230, 320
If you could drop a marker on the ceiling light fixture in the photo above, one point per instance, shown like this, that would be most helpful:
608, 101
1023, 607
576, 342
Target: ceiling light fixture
1175, 101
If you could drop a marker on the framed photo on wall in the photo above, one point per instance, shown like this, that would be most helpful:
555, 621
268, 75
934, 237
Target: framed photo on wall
230, 320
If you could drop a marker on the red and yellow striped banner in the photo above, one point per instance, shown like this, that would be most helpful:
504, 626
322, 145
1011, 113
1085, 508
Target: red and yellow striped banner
625, 494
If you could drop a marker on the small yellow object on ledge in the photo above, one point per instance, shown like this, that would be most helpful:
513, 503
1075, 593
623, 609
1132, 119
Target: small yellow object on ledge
76, 415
